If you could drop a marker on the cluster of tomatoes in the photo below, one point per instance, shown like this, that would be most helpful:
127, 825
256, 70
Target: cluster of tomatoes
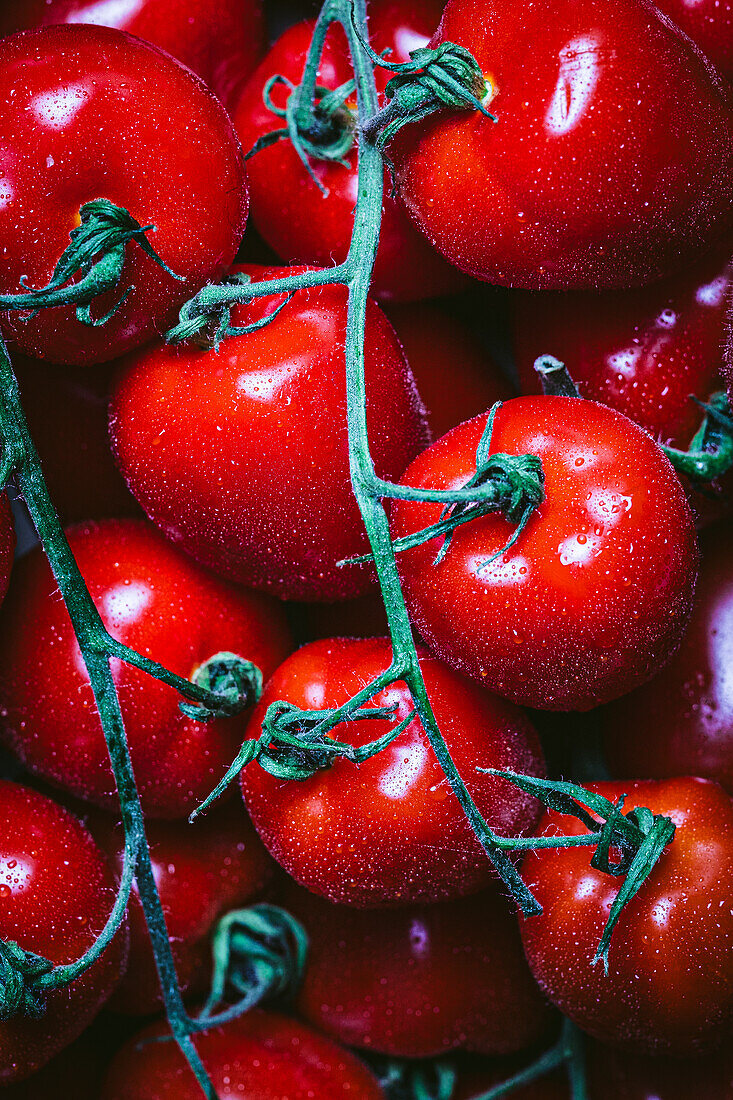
207, 493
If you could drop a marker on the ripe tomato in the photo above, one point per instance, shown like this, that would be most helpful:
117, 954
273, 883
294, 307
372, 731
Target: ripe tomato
709, 24
419, 981
607, 166
201, 871
77, 1072
84, 110
221, 40
296, 218
681, 722
262, 491
261, 1055
390, 831
669, 987
154, 599
594, 596
66, 409
643, 352
56, 893
456, 376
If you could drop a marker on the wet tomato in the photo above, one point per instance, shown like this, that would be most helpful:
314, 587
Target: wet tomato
593, 597
154, 599
709, 24
390, 831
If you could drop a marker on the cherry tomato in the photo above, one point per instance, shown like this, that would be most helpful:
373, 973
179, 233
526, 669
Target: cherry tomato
260, 1056
709, 24
77, 1072
55, 897
221, 40
419, 981
201, 871
669, 987
593, 597
607, 166
66, 409
261, 492
390, 831
681, 722
297, 219
456, 377
643, 352
154, 599
90, 113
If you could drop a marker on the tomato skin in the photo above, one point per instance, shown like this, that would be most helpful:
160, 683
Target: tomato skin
420, 846
262, 1056
66, 410
681, 722
44, 849
296, 219
201, 871
221, 40
669, 988
642, 352
7, 544
592, 176
281, 524
609, 559
419, 981
709, 24
156, 600
83, 109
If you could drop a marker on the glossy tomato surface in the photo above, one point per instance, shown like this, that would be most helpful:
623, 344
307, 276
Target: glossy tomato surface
260, 1056
201, 870
681, 722
153, 598
669, 987
593, 597
261, 492
305, 224
88, 113
608, 165
56, 893
221, 40
390, 831
643, 352
709, 24
419, 981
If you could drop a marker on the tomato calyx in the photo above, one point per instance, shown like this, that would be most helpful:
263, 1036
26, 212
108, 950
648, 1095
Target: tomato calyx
96, 252
638, 838
710, 454
205, 319
259, 954
237, 682
409, 1080
20, 971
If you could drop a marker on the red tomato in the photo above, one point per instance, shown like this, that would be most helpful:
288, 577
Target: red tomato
7, 544
154, 599
261, 492
201, 872
66, 408
681, 722
643, 352
390, 831
77, 1072
419, 981
608, 165
221, 40
709, 24
594, 596
299, 221
83, 111
260, 1056
456, 376
669, 987
56, 895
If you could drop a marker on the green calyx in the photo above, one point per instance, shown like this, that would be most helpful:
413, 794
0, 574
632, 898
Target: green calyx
20, 971
95, 256
710, 454
323, 129
447, 78
413, 1080
206, 319
237, 683
259, 954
